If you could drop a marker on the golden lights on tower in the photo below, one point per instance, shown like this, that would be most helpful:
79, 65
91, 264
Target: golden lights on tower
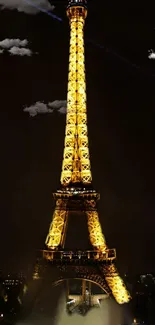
76, 161
116, 285
56, 234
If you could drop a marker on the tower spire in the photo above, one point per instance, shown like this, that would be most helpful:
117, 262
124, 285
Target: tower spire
76, 161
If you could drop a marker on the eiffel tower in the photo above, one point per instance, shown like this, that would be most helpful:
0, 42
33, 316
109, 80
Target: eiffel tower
76, 192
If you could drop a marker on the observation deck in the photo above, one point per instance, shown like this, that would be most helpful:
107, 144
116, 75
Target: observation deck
76, 3
79, 257
76, 192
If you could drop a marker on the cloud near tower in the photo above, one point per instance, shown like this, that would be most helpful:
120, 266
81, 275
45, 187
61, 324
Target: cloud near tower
23, 6
15, 47
42, 108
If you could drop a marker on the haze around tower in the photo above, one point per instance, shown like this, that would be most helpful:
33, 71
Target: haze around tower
110, 313
120, 107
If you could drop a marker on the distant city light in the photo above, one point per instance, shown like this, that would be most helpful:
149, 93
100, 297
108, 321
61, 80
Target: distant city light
151, 54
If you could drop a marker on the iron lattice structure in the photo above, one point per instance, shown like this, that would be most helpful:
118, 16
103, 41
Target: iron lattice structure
76, 191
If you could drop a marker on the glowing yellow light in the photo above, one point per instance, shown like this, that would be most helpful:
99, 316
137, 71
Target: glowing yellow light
116, 285
5, 297
95, 231
25, 289
57, 229
76, 160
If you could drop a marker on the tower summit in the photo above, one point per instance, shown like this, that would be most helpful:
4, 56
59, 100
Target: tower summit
76, 162
76, 194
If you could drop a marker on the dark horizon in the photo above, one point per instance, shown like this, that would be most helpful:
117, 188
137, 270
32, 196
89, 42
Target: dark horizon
120, 125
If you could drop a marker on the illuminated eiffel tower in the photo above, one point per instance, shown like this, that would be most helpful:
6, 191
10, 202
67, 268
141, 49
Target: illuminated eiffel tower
76, 192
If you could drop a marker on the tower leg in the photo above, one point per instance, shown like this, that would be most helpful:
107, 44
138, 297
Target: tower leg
95, 231
57, 230
116, 284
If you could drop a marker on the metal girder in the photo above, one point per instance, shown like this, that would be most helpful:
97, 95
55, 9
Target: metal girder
116, 284
76, 169
83, 272
57, 230
76, 162
96, 236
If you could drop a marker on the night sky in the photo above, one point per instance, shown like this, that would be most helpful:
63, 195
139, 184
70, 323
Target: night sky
121, 102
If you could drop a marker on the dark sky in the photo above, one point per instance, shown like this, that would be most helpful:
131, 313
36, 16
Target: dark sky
121, 102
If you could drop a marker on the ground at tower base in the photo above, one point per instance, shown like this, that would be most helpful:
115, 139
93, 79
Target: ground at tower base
47, 304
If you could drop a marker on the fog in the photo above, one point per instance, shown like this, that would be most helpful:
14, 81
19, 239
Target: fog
46, 305
110, 313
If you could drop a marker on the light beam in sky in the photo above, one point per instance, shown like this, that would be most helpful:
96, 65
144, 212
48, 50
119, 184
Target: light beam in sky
123, 59
43, 10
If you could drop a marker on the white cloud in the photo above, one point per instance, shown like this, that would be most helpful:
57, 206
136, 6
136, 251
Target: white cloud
15, 47
38, 108
151, 54
62, 110
59, 105
27, 6
20, 51
10, 42
42, 108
